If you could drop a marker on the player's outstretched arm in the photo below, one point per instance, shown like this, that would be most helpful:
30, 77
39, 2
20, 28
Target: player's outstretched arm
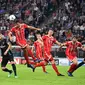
63, 44
10, 36
58, 43
33, 28
83, 48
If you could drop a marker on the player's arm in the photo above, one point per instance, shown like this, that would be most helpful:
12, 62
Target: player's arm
63, 44
82, 47
10, 36
33, 48
58, 43
9, 47
33, 28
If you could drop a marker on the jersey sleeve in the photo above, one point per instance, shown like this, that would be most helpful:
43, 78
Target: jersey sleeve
54, 40
25, 26
67, 43
79, 44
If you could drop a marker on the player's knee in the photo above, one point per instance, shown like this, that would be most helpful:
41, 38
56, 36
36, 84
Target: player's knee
76, 63
84, 59
45, 63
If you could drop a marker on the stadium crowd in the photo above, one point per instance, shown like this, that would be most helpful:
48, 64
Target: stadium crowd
67, 17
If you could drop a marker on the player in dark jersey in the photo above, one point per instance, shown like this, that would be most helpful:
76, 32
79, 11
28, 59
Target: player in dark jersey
7, 56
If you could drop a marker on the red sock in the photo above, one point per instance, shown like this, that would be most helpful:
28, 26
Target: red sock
44, 69
31, 54
55, 68
40, 64
72, 67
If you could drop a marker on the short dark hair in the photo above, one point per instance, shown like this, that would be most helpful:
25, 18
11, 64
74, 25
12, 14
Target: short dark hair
74, 37
50, 29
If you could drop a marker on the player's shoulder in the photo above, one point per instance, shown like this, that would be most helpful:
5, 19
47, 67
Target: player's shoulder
78, 42
43, 36
35, 43
23, 25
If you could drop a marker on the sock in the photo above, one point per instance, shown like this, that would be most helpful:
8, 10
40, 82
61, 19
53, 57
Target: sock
7, 70
55, 69
79, 65
40, 64
26, 57
14, 69
31, 54
44, 69
72, 67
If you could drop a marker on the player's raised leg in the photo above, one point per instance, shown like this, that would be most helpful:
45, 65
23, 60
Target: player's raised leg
79, 65
25, 50
73, 66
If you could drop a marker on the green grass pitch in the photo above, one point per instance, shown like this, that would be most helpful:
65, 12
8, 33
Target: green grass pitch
27, 77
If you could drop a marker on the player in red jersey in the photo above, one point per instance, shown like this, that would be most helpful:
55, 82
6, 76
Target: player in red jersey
49, 40
71, 53
39, 47
18, 30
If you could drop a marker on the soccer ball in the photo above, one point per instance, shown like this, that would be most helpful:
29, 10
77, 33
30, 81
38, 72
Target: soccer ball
12, 17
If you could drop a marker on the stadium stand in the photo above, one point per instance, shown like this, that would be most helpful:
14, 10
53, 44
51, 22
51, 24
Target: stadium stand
65, 17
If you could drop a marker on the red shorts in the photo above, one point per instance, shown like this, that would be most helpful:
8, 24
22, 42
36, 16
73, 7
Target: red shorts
71, 57
22, 43
48, 56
